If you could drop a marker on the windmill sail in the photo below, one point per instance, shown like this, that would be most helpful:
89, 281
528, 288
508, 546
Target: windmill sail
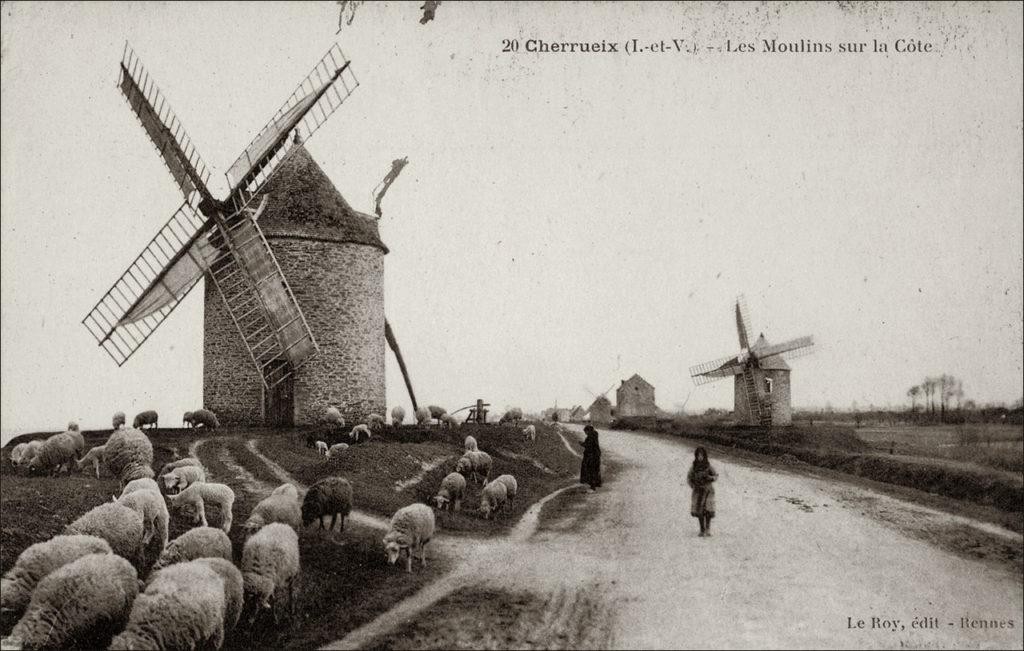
716, 370
789, 349
315, 99
153, 285
743, 322
162, 126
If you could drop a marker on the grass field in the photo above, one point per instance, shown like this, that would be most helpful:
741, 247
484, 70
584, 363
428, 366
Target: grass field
985, 445
345, 580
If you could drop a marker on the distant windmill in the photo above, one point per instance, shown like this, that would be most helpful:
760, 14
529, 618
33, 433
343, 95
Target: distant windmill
762, 387
331, 251
601, 409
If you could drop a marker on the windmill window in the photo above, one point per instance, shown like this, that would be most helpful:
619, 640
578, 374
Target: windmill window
767, 385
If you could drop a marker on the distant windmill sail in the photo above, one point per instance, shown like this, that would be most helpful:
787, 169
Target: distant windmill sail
397, 166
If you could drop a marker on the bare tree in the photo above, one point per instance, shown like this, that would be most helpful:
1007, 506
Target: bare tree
913, 393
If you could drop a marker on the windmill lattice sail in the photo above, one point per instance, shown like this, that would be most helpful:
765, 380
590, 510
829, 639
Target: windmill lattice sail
314, 100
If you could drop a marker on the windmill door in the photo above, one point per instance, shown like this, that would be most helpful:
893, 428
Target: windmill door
279, 400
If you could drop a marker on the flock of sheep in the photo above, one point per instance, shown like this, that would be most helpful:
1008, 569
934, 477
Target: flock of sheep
114, 566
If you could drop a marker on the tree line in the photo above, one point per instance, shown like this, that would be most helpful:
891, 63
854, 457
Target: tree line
937, 395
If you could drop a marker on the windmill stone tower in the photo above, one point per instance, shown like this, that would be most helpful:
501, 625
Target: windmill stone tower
333, 258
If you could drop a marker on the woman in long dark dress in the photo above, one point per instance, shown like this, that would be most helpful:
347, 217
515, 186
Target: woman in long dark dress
700, 479
590, 468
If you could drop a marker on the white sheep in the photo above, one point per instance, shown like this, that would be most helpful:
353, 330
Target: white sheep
95, 456
201, 542
375, 422
76, 434
196, 497
334, 417
182, 477
530, 432
492, 498
155, 519
412, 527
39, 560
422, 416
143, 418
270, 568
470, 444
511, 488
118, 421
397, 415
234, 590
436, 412
17, 452
201, 418
28, 452
76, 603
331, 496
476, 464
121, 526
450, 421
140, 484
129, 455
182, 607
321, 448
360, 433
336, 450
449, 495
282, 506
171, 465
56, 455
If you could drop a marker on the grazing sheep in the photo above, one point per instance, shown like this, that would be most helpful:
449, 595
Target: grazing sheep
144, 418
513, 415
470, 444
129, 455
411, 527
493, 497
437, 412
530, 432
28, 453
186, 419
360, 434
334, 417
331, 496
76, 604
56, 455
39, 560
196, 496
94, 455
336, 450
449, 495
422, 416
234, 591
16, 453
201, 542
171, 465
280, 506
76, 434
155, 519
449, 421
183, 607
202, 418
141, 484
321, 448
375, 422
119, 525
511, 488
397, 415
182, 477
270, 567
475, 464
118, 421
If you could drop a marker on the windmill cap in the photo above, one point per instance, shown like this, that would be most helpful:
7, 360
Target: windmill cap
303, 204
773, 363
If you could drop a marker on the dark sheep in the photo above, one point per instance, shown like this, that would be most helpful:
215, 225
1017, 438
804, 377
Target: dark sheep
143, 418
330, 496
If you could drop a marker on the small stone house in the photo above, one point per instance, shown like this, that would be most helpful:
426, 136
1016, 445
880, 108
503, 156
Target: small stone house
635, 397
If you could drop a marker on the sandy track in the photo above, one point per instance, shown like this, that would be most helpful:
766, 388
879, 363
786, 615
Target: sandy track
791, 559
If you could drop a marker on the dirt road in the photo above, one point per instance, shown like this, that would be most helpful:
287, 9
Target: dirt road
794, 562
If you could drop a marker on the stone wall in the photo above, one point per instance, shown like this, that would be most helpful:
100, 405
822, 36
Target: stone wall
340, 289
782, 409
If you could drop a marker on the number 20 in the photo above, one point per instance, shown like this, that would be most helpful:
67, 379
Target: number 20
509, 45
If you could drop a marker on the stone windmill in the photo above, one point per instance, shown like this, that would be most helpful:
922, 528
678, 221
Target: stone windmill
762, 391
271, 355
600, 410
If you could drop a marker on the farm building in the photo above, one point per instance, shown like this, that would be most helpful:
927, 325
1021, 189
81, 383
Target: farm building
601, 411
333, 258
635, 397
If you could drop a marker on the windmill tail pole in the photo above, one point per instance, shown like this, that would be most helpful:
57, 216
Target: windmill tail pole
390, 336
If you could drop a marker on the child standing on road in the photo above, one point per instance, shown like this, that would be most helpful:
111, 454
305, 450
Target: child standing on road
702, 501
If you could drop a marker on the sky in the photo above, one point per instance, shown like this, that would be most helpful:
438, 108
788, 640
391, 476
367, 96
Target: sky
566, 220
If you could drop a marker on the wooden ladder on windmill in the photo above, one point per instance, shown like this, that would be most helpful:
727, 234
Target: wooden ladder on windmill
258, 297
760, 408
